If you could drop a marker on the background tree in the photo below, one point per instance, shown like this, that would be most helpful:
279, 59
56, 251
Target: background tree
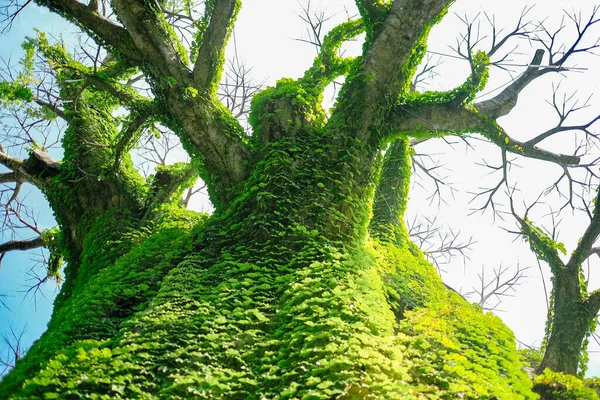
290, 288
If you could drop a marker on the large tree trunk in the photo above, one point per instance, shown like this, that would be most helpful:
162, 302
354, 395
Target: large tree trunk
291, 289
569, 324
282, 294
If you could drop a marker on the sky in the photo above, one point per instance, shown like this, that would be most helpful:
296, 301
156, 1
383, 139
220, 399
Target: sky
265, 39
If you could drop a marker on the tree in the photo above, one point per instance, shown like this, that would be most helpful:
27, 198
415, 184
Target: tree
573, 312
304, 281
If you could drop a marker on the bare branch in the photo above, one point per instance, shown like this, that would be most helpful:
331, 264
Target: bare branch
10, 11
441, 245
502, 284
504, 102
14, 348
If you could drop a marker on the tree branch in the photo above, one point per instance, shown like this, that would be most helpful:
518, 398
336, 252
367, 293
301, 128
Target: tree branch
9, 177
328, 65
159, 48
11, 163
504, 102
52, 107
437, 120
128, 137
585, 246
373, 12
21, 245
167, 182
542, 245
395, 45
593, 304
105, 29
209, 59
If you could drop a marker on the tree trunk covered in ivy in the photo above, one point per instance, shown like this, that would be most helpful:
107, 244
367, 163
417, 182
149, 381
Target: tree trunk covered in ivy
573, 312
569, 326
303, 283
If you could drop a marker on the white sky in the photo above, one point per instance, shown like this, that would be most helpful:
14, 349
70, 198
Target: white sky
264, 34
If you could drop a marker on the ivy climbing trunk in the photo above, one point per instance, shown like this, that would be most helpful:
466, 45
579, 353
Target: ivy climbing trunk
569, 324
303, 283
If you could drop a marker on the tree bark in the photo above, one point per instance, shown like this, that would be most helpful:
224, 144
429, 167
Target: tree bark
570, 325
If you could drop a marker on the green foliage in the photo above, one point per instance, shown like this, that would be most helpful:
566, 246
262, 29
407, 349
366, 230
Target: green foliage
53, 241
559, 386
458, 352
328, 65
121, 271
11, 92
532, 357
391, 195
411, 281
542, 244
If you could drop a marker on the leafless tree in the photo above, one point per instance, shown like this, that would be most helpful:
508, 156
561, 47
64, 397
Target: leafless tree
441, 245
13, 348
565, 106
491, 291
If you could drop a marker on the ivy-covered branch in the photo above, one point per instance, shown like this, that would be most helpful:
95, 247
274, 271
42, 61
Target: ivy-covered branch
50, 106
593, 304
125, 94
373, 13
441, 119
328, 65
399, 47
168, 184
129, 136
35, 170
391, 195
155, 41
11, 163
541, 243
10, 177
105, 30
216, 26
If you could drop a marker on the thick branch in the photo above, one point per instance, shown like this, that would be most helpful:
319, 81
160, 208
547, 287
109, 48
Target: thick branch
10, 177
436, 120
584, 247
11, 163
52, 107
593, 304
210, 54
129, 136
105, 29
21, 245
391, 195
504, 102
123, 93
373, 13
155, 43
394, 47
169, 181
386, 70
34, 170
